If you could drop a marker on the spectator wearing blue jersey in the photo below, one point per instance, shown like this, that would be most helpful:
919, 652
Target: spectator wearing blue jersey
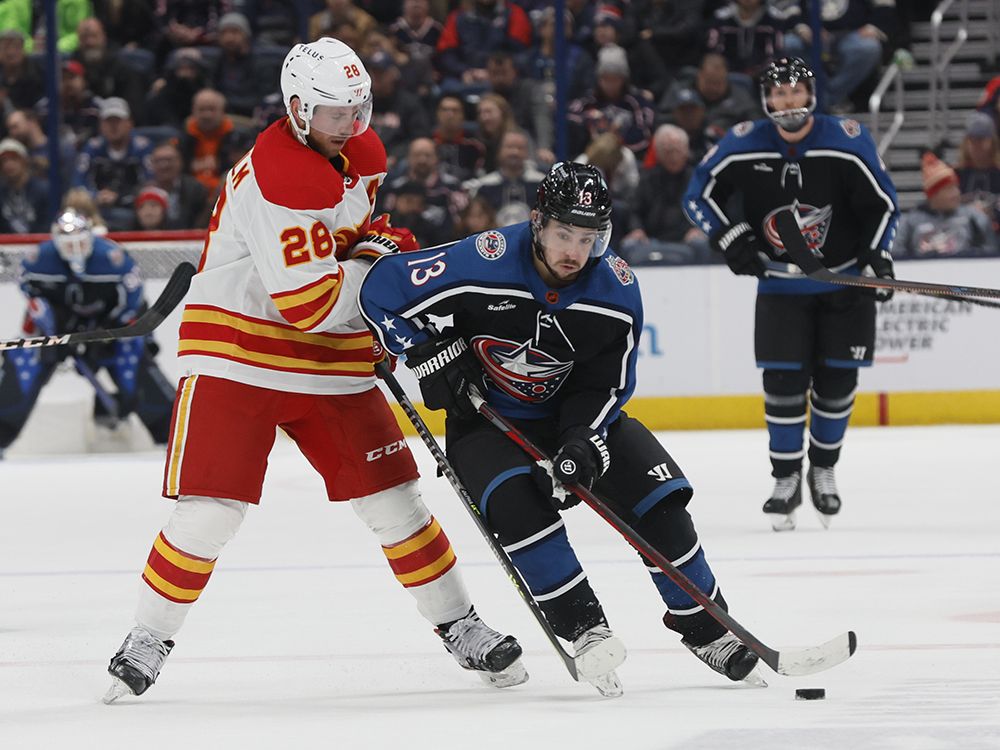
114, 165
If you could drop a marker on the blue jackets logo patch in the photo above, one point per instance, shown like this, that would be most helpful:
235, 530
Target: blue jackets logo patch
491, 244
851, 127
520, 370
814, 223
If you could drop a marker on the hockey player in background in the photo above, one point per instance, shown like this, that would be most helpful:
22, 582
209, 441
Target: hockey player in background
77, 282
810, 337
552, 318
271, 337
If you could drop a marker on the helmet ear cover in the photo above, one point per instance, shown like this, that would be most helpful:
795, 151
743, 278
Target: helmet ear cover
575, 194
332, 87
788, 71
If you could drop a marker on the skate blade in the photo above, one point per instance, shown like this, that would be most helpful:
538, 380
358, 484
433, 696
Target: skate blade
782, 521
515, 674
824, 518
116, 691
607, 684
600, 659
754, 679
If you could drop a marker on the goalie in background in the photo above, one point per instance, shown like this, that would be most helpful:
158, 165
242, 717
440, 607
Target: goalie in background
79, 282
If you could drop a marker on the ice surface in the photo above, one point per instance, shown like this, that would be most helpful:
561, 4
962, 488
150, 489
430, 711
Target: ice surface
303, 639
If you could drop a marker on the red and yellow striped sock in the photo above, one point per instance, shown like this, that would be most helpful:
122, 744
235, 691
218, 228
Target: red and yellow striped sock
422, 557
174, 574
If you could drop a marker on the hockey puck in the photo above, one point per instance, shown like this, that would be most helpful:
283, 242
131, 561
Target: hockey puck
810, 694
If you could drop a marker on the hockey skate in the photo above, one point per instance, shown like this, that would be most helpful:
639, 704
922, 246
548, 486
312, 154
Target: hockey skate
823, 488
787, 496
728, 656
496, 658
597, 653
137, 664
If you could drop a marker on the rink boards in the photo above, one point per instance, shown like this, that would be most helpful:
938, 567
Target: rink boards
936, 361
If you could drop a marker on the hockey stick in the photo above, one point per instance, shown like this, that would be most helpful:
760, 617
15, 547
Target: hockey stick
170, 297
792, 663
798, 250
107, 400
385, 373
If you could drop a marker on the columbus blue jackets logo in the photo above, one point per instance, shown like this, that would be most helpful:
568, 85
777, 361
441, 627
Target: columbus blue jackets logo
621, 269
741, 129
814, 223
519, 369
491, 244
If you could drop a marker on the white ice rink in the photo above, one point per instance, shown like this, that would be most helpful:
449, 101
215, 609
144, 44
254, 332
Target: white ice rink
304, 640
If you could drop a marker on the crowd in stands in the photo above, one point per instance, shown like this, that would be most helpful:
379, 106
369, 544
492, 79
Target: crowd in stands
158, 98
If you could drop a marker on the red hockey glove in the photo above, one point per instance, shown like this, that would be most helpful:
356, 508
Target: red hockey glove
383, 239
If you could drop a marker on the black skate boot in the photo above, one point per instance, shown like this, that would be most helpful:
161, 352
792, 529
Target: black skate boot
823, 488
496, 658
728, 656
137, 664
786, 497
597, 652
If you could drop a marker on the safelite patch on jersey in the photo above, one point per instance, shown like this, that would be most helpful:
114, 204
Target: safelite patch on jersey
741, 129
621, 269
491, 244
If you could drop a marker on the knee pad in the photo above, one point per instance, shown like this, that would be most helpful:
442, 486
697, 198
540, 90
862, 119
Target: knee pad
834, 387
670, 529
785, 382
201, 526
393, 514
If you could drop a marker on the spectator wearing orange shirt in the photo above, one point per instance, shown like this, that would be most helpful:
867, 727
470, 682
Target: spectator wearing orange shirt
206, 141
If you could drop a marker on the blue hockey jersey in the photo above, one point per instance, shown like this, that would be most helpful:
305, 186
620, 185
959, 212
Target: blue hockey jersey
565, 353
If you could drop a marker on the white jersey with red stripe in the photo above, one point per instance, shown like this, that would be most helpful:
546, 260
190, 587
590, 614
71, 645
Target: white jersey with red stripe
274, 302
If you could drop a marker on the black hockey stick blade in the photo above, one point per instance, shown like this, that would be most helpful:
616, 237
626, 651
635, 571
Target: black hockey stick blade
792, 663
798, 251
177, 286
444, 465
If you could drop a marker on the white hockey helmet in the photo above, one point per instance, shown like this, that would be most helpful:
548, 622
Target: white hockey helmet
333, 88
73, 236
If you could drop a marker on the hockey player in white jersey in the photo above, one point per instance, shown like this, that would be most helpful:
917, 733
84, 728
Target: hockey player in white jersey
271, 337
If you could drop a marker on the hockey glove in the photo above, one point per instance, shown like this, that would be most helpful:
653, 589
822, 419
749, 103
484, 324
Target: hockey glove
740, 247
881, 264
446, 370
582, 459
383, 239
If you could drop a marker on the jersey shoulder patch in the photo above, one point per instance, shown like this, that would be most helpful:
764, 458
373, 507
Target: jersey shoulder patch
620, 268
742, 129
852, 128
366, 154
491, 244
292, 175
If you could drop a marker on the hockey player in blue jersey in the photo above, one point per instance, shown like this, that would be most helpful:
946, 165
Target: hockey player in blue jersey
545, 320
810, 337
76, 282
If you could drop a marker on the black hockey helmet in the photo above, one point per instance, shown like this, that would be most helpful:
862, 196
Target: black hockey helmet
576, 194
788, 70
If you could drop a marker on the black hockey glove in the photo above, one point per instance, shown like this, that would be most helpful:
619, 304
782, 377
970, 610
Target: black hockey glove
446, 369
582, 459
881, 264
740, 247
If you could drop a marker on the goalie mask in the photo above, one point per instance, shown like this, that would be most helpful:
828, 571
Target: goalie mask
574, 194
788, 71
74, 239
333, 88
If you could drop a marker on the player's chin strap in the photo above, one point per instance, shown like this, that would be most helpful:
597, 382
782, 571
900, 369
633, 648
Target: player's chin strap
384, 371
806, 661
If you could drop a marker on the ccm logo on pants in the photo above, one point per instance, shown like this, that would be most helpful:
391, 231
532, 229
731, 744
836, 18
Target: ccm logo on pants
385, 450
